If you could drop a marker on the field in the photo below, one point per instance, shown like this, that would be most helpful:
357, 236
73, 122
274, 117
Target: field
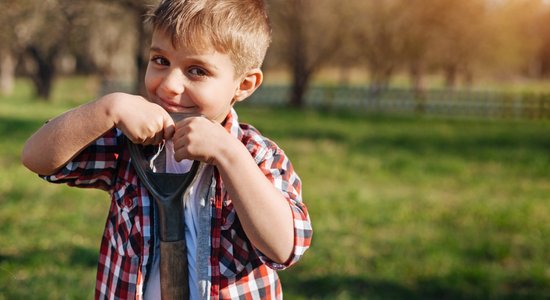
403, 207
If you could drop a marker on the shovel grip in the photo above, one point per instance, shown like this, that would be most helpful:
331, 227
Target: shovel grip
174, 278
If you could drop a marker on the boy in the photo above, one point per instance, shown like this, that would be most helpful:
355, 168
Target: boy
245, 218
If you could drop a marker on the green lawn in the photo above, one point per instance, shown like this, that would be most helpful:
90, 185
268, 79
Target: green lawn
403, 207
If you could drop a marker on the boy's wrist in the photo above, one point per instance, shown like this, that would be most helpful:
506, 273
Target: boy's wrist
231, 153
111, 107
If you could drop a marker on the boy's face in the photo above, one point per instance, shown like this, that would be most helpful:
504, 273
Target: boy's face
184, 81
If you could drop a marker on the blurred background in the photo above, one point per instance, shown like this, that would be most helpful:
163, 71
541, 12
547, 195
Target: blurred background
419, 128
418, 44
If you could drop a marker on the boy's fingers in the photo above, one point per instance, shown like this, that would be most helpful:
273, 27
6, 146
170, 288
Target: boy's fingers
137, 140
157, 139
169, 128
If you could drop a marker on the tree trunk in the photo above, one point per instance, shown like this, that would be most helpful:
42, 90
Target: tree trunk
45, 74
468, 78
300, 82
417, 82
7, 72
297, 56
418, 87
43, 81
450, 76
380, 77
142, 51
298, 91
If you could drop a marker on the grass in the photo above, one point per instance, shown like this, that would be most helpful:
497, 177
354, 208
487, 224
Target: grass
403, 207
412, 207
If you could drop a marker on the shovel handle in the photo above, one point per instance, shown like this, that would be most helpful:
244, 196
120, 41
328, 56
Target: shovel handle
173, 270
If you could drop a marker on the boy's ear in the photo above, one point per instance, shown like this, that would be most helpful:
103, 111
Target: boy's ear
250, 82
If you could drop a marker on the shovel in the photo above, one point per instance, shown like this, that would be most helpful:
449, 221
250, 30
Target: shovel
168, 189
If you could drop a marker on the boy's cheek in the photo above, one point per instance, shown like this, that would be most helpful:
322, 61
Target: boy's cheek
149, 85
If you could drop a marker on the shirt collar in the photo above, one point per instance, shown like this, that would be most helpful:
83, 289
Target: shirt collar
231, 124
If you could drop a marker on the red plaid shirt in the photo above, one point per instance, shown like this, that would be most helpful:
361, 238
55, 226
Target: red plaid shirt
237, 269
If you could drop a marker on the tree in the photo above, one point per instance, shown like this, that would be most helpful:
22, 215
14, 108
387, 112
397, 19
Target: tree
40, 32
50, 32
307, 34
11, 36
461, 43
376, 35
139, 9
542, 57
109, 50
45, 31
515, 41
418, 27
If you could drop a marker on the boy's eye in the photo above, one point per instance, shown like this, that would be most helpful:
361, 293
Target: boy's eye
196, 71
159, 60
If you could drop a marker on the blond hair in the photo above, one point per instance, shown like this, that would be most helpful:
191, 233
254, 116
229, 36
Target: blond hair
239, 28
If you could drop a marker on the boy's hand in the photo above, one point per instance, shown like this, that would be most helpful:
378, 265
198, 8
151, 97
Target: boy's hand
143, 122
263, 211
198, 138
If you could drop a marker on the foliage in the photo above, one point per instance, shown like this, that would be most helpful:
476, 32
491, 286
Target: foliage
402, 207
306, 37
458, 39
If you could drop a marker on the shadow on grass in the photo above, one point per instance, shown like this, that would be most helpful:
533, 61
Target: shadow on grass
60, 255
62, 272
446, 287
17, 128
337, 287
415, 133
459, 143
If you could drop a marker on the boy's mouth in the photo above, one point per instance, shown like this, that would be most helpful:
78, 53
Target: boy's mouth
172, 107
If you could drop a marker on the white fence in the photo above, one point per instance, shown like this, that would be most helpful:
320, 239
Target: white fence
441, 102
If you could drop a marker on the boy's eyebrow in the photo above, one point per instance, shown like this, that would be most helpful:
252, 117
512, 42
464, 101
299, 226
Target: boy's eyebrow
196, 60
155, 49
204, 63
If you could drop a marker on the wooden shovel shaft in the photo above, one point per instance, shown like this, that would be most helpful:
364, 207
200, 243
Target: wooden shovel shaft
167, 189
173, 271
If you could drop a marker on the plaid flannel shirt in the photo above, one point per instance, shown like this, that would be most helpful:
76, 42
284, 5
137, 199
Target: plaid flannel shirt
236, 268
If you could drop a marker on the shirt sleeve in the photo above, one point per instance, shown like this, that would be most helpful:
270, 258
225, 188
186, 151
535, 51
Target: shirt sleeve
278, 169
94, 167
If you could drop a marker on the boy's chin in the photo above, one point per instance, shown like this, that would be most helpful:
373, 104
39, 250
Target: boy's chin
221, 118
178, 116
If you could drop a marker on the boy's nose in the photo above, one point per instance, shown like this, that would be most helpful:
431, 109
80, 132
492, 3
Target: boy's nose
173, 83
